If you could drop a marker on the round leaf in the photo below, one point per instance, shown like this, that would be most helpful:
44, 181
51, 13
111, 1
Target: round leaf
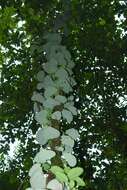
56, 115
38, 181
61, 99
44, 155
51, 66
54, 185
47, 133
61, 74
50, 103
40, 76
71, 160
37, 97
42, 117
67, 115
73, 133
35, 168
71, 108
66, 140
50, 91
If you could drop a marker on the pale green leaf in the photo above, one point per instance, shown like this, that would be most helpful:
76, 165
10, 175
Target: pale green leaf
74, 173
42, 117
50, 91
37, 97
35, 168
79, 181
61, 74
51, 66
41, 138
73, 133
67, 169
60, 58
68, 148
36, 107
61, 99
40, 85
48, 82
50, 103
71, 108
66, 140
72, 81
67, 115
69, 71
55, 169
54, 185
71, 160
71, 64
56, 115
46, 166
38, 181
52, 53
61, 177
44, 155
45, 134
71, 98
63, 85
40, 76
71, 184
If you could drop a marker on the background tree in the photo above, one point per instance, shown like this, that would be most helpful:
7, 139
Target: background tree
97, 42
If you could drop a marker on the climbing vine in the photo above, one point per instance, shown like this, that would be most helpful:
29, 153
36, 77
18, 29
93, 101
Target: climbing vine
54, 165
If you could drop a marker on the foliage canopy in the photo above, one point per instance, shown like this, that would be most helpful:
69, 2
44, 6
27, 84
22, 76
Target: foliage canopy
96, 35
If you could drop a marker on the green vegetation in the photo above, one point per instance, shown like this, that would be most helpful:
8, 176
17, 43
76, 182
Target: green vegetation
94, 32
